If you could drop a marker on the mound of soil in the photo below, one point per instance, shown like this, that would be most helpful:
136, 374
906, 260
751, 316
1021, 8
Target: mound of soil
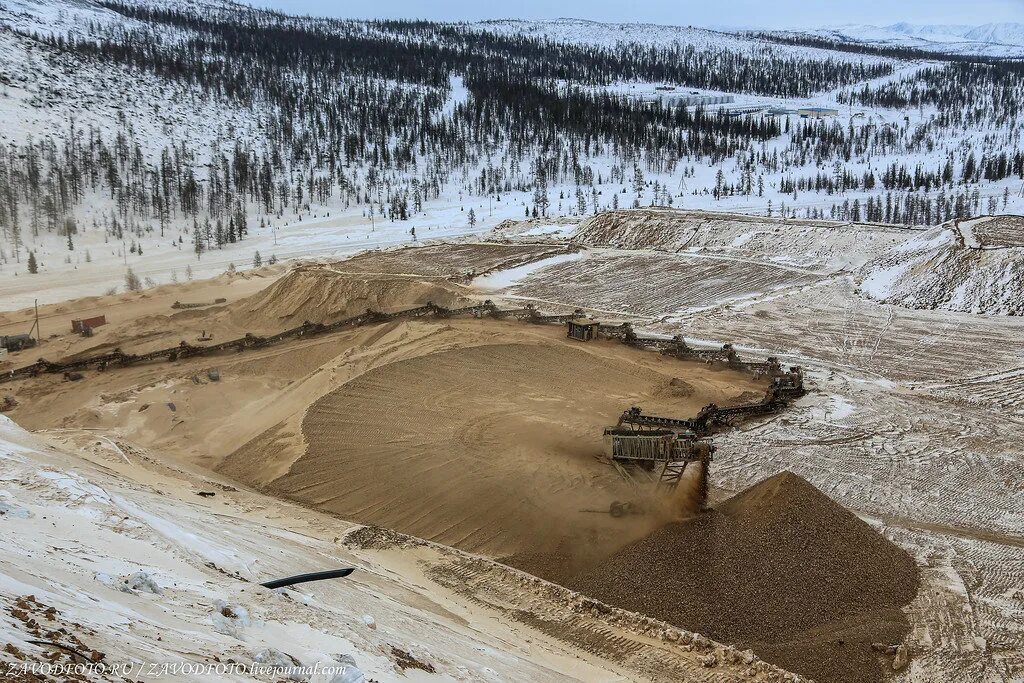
674, 230
779, 568
679, 387
321, 295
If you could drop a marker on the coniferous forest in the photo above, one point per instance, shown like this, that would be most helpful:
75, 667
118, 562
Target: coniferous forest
389, 116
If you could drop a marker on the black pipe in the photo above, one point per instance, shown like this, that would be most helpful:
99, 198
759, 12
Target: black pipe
313, 576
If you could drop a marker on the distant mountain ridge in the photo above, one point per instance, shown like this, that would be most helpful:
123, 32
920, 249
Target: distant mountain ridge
1007, 33
1005, 39
1001, 39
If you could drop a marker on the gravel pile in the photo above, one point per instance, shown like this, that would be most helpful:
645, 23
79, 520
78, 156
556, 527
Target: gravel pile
779, 568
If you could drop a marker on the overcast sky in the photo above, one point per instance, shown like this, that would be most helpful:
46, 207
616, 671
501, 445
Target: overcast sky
714, 13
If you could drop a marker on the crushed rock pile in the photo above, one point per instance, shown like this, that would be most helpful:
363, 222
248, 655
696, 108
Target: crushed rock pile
779, 568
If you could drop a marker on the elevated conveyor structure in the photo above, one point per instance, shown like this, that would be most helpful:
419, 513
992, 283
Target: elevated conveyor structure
671, 443
638, 440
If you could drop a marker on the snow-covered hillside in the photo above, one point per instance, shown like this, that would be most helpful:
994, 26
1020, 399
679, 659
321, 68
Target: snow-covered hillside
124, 150
972, 267
1005, 39
994, 39
1006, 33
612, 34
570, 30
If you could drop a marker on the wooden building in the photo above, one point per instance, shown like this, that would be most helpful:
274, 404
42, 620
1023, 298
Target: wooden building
582, 329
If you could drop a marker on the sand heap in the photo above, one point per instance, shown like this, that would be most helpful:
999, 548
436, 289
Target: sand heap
779, 568
489, 448
319, 294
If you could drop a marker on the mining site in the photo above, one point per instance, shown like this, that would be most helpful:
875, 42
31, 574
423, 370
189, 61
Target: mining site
529, 342
756, 502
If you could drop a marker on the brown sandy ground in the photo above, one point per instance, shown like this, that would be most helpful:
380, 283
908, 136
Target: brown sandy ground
915, 421
95, 506
445, 429
55, 319
450, 260
482, 434
492, 446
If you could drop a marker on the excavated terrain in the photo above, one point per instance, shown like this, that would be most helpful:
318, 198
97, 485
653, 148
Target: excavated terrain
325, 294
971, 266
649, 283
479, 433
457, 261
802, 243
913, 420
492, 447
999, 232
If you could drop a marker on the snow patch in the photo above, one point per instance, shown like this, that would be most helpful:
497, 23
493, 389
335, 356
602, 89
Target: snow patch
503, 279
547, 230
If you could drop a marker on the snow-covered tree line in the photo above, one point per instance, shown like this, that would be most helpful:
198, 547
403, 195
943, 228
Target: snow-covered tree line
364, 114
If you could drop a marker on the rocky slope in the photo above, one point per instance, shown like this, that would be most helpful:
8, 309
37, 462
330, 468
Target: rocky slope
803, 243
970, 267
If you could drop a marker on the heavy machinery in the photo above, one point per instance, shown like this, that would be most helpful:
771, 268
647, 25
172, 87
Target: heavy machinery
17, 342
577, 326
651, 443
783, 388
668, 445
664, 451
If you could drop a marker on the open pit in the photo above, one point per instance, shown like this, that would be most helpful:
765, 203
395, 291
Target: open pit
493, 448
486, 435
479, 433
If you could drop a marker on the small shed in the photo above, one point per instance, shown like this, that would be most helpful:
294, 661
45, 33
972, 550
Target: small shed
582, 329
90, 323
